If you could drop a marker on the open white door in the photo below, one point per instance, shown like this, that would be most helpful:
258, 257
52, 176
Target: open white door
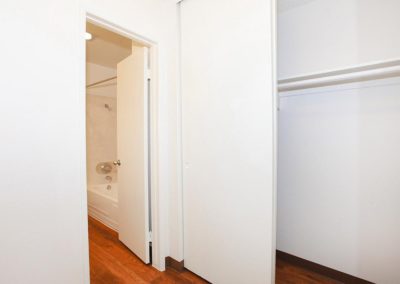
132, 127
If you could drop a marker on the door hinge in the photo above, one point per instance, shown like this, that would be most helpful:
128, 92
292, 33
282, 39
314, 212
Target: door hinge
148, 74
150, 236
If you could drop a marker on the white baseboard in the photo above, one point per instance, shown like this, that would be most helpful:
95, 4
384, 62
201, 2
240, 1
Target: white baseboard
102, 217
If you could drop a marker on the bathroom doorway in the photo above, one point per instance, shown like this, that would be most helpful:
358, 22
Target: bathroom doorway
118, 119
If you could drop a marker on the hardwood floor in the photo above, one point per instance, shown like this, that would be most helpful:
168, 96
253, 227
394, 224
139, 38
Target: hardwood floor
287, 273
112, 263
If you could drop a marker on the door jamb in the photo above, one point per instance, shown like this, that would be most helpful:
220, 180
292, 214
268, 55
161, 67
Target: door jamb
157, 259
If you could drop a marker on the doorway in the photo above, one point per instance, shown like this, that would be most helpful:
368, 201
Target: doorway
118, 120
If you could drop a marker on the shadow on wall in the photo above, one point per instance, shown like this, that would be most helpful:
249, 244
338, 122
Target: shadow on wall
285, 5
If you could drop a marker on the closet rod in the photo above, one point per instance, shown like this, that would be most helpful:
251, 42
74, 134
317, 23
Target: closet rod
361, 73
101, 82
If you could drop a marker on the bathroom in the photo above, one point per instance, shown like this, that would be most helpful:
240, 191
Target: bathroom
104, 51
102, 175
118, 143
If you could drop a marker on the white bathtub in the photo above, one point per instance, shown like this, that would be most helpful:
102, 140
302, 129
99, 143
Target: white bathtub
103, 203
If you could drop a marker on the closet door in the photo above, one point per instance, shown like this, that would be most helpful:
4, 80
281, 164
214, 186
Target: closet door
228, 137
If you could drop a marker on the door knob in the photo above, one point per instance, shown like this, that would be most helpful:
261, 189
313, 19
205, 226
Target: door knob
117, 163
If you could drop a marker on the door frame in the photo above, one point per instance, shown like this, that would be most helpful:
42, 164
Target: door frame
157, 259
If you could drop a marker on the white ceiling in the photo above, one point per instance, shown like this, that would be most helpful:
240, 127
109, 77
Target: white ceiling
106, 48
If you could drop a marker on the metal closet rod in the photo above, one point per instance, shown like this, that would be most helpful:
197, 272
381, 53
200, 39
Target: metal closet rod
101, 82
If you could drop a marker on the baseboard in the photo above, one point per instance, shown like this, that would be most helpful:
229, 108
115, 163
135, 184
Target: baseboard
320, 269
102, 217
174, 264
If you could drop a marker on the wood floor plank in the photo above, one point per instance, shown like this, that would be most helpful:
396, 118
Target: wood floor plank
287, 273
111, 262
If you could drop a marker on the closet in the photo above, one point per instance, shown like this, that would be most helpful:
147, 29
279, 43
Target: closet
339, 136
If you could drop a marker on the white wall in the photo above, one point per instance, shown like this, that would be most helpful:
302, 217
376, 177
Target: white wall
228, 95
338, 146
43, 166
43, 236
317, 35
338, 185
